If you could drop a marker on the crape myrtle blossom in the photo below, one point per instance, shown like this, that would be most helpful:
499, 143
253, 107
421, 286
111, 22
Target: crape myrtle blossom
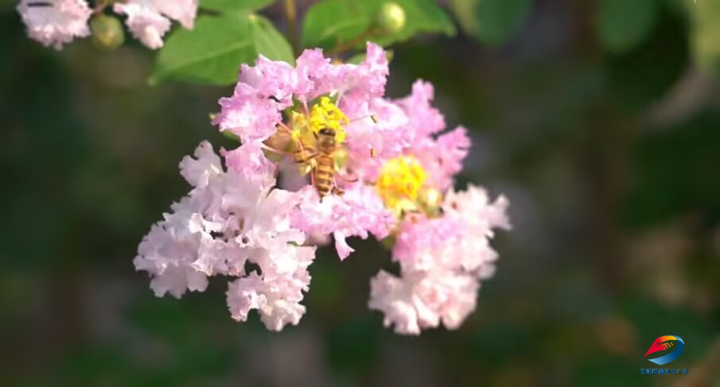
408, 126
55, 22
149, 20
442, 261
255, 113
226, 221
394, 168
356, 213
442, 245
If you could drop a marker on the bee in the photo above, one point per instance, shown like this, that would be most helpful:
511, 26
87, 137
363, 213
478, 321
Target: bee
323, 171
316, 139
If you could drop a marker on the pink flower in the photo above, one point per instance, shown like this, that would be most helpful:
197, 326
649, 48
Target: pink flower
146, 24
55, 22
421, 300
474, 206
359, 212
168, 252
226, 221
372, 141
366, 80
238, 223
312, 69
266, 89
277, 300
200, 170
271, 81
442, 157
248, 160
251, 118
442, 261
408, 126
420, 238
276, 292
425, 119
148, 19
184, 11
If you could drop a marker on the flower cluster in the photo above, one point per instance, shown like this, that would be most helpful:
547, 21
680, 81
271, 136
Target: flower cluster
365, 165
57, 22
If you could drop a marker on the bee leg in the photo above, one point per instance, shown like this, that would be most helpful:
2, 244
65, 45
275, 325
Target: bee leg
301, 155
307, 158
349, 180
278, 151
338, 191
284, 128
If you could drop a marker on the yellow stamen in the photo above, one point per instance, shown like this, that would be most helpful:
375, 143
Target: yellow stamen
324, 114
400, 182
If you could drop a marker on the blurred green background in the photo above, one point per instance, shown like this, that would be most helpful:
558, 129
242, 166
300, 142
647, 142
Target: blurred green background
609, 152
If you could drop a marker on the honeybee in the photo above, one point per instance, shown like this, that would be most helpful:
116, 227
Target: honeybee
321, 161
317, 138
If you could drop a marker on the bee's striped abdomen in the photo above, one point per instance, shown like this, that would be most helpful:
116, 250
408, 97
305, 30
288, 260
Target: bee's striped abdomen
324, 175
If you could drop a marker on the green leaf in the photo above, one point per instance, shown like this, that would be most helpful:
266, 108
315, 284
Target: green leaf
211, 53
269, 41
332, 22
622, 25
464, 11
421, 16
357, 59
491, 21
705, 16
235, 6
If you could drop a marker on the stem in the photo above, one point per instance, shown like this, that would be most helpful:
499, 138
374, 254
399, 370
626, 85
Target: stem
291, 18
99, 7
342, 47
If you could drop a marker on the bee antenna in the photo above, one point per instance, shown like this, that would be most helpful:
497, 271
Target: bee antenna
370, 116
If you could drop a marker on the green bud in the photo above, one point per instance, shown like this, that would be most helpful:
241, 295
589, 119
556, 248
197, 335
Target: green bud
107, 32
389, 242
230, 135
390, 19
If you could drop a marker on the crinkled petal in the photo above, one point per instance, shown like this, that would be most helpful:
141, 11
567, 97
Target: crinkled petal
249, 161
55, 22
197, 171
359, 212
146, 23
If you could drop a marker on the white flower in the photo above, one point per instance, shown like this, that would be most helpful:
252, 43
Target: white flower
226, 221
277, 293
442, 262
422, 299
55, 22
169, 251
148, 19
474, 206
198, 171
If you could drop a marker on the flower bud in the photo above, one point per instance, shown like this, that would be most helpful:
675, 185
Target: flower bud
390, 19
107, 32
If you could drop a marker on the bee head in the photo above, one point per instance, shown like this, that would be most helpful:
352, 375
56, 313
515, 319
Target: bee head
327, 132
326, 138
